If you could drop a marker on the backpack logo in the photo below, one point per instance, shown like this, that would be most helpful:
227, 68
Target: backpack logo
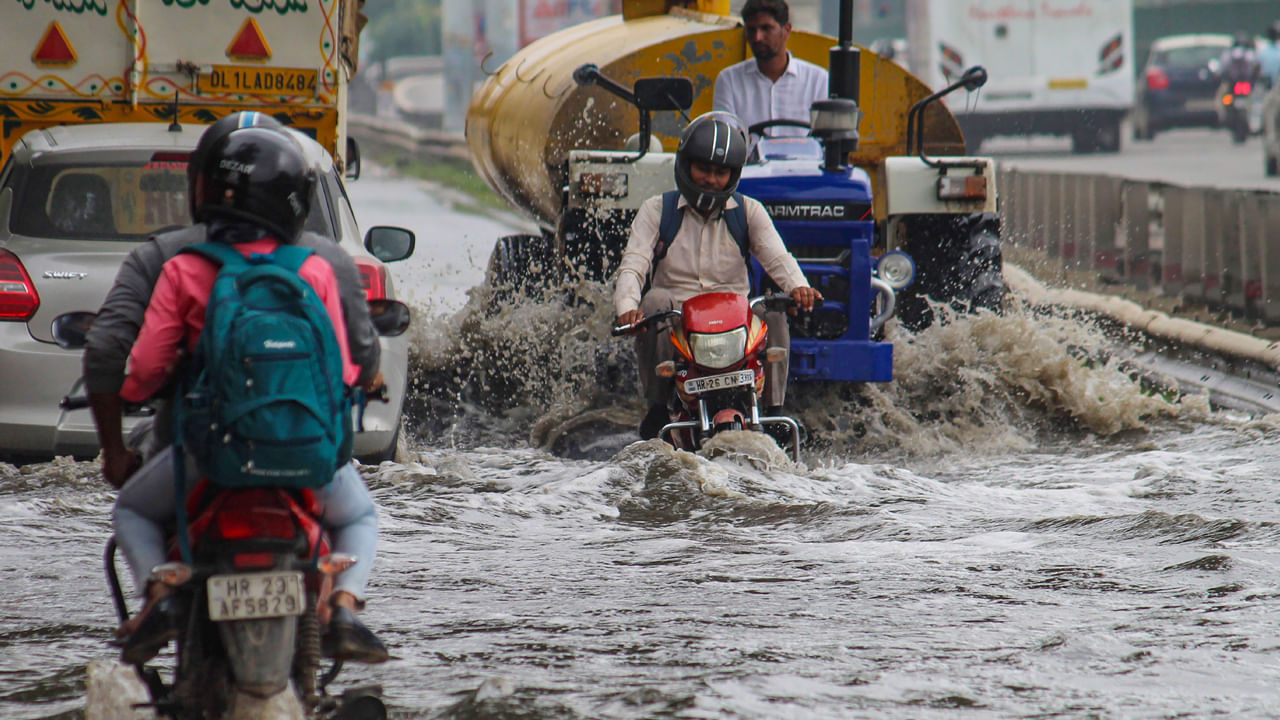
279, 344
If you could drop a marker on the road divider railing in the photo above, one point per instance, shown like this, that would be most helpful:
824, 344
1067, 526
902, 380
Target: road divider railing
382, 134
1205, 247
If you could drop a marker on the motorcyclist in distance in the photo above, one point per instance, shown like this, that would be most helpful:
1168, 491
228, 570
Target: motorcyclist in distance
704, 256
1239, 63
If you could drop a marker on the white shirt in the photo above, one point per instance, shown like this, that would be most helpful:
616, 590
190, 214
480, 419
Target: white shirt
746, 92
703, 257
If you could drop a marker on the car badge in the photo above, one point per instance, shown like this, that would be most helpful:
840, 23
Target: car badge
64, 275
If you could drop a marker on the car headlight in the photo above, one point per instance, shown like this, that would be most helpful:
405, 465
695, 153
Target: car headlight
897, 269
719, 350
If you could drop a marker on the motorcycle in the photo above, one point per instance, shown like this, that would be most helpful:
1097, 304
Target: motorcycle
719, 376
254, 596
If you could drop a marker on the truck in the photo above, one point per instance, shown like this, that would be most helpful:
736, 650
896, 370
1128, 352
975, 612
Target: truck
1058, 67
89, 61
549, 132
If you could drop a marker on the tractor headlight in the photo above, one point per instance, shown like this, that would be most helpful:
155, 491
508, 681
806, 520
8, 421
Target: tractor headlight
896, 268
719, 350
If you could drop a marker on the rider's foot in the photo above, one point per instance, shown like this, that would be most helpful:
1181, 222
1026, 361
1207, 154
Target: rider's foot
349, 639
150, 630
653, 421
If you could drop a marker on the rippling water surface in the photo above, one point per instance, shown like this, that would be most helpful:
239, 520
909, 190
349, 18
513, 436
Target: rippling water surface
1004, 532
1014, 528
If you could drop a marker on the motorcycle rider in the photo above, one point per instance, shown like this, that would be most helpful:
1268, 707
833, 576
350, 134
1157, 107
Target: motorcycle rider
1239, 63
115, 328
255, 217
702, 257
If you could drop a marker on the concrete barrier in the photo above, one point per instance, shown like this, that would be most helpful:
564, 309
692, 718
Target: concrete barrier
1205, 247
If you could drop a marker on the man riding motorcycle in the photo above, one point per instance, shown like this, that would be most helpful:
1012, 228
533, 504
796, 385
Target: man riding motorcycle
704, 255
252, 216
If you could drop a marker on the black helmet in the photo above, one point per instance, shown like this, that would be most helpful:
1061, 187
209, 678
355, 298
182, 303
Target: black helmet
258, 175
716, 138
217, 131
1273, 31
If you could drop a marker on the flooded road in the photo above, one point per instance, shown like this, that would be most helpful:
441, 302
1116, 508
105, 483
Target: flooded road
1004, 532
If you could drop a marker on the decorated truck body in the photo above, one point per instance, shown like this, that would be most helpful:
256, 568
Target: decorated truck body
80, 61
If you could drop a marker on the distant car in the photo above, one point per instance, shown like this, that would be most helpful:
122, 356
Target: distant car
74, 200
1178, 86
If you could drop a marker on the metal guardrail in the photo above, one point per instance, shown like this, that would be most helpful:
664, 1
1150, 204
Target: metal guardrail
1207, 247
420, 143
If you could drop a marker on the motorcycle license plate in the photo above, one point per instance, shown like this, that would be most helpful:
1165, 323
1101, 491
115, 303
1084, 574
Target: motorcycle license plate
255, 595
719, 382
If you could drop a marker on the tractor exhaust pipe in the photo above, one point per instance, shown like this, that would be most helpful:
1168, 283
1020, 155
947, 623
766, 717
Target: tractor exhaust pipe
845, 74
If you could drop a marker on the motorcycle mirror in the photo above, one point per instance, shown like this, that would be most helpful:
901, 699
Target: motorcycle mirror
664, 93
390, 317
71, 330
974, 78
388, 243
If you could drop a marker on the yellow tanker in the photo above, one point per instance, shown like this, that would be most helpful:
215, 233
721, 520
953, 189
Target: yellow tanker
530, 113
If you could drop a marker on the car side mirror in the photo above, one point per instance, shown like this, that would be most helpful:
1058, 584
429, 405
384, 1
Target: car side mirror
353, 160
664, 93
390, 317
388, 243
71, 330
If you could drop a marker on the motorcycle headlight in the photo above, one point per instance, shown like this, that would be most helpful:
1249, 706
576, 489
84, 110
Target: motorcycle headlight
896, 268
719, 350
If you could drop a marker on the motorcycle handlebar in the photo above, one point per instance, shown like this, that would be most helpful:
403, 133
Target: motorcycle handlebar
633, 328
778, 302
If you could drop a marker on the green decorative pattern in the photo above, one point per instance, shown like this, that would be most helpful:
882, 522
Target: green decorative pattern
78, 7
186, 3
282, 7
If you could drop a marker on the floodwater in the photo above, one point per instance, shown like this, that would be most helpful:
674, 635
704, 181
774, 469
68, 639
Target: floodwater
1014, 528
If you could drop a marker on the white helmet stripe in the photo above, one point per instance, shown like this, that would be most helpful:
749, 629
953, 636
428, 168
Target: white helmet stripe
715, 140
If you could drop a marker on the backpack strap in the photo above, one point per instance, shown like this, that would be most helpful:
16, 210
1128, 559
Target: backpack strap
289, 257
672, 218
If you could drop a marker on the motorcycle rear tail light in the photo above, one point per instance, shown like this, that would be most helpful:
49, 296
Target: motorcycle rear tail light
258, 522
373, 278
1242, 88
253, 560
18, 297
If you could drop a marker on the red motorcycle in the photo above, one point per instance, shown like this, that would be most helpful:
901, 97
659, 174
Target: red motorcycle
719, 376
253, 597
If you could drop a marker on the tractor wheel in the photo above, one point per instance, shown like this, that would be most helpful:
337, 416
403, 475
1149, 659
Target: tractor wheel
959, 262
520, 265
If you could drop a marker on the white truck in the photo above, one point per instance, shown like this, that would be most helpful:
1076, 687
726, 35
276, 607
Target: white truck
1057, 67
69, 63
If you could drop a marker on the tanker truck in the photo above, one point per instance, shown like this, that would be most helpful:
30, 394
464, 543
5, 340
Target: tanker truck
879, 205
95, 61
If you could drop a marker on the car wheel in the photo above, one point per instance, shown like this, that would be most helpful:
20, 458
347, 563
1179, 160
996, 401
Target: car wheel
1142, 125
1272, 166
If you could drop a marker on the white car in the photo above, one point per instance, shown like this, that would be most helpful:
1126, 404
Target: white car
74, 200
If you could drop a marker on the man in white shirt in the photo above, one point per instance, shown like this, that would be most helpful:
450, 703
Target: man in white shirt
775, 85
703, 256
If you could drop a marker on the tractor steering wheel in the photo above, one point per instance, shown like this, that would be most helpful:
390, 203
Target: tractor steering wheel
760, 127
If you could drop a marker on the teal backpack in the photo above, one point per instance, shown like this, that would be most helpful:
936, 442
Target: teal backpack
265, 405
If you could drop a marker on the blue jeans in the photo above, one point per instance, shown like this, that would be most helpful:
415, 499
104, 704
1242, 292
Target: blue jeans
146, 504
